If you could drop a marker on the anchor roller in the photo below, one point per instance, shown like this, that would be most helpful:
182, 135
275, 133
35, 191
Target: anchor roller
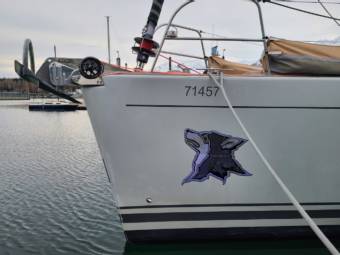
91, 68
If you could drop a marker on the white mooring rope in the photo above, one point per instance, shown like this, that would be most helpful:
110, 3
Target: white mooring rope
333, 250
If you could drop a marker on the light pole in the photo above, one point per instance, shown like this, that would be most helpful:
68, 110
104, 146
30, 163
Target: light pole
55, 51
108, 38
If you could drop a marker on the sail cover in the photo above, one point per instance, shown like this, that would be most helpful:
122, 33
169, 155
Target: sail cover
292, 57
232, 68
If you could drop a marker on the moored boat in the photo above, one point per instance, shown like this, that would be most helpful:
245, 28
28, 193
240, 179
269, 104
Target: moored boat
182, 168
141, 124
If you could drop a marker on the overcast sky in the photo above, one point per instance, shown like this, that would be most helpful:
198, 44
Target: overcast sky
78, 27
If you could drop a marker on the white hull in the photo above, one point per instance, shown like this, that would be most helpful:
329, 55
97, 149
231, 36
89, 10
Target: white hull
140, 120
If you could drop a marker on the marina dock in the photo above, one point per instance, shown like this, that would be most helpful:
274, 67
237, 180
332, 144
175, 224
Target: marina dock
55, 106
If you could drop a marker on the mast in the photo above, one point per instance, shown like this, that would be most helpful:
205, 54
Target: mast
145, 44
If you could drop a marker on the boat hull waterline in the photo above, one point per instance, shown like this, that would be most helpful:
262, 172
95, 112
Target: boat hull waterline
181, 168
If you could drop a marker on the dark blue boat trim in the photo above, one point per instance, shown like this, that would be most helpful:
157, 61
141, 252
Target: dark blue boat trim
222, 205
217, 234
229, 215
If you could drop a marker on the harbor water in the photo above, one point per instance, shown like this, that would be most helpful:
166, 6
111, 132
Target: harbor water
55, 197
54, 194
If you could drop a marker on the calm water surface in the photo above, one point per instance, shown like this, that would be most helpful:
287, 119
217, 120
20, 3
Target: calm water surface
54, 194
55, 197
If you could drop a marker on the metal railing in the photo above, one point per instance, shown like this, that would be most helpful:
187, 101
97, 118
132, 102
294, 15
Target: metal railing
199, 32
202, 39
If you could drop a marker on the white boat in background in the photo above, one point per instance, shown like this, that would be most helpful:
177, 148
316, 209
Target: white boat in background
182, 168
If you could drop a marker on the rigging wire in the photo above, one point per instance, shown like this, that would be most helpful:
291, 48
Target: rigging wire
328, 12
301, 10
223, 36
180, 64
309, 1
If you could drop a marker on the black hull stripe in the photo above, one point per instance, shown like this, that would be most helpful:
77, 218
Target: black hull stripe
217, 234
236, 107
234, 215
222, 205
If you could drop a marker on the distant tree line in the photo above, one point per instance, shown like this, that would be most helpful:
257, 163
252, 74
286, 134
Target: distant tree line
17, 85
22, 86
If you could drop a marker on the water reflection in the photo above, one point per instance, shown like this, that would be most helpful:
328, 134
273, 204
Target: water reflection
54, 194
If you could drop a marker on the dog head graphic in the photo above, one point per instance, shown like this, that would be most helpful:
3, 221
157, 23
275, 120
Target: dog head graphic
214, 155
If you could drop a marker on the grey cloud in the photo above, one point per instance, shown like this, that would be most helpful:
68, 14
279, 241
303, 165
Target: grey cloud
78, 29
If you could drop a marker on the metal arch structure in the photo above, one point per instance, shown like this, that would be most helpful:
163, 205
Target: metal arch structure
28, 73
28, 52
263, 38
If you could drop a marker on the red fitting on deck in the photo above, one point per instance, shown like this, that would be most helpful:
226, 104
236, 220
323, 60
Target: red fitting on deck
146, 44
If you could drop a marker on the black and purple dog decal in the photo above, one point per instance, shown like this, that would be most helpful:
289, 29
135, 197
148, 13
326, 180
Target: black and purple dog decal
214, 155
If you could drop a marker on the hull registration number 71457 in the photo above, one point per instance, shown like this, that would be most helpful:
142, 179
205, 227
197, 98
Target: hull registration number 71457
208, 91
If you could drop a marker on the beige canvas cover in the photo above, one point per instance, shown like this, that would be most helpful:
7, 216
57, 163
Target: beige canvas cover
293, 57
232, 68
